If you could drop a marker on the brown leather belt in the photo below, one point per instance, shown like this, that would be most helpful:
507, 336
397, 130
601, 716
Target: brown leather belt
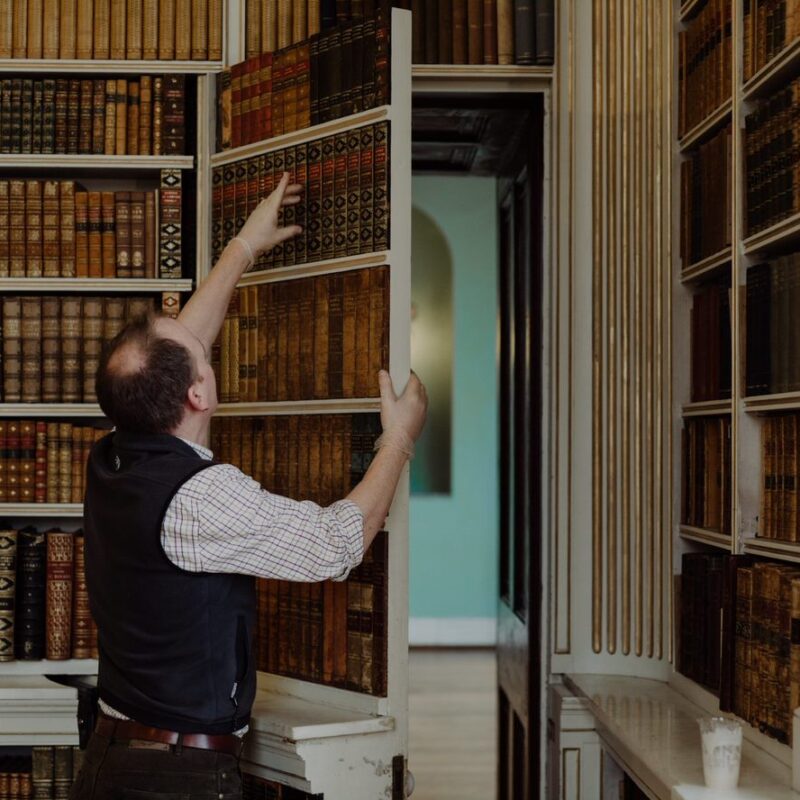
127, 730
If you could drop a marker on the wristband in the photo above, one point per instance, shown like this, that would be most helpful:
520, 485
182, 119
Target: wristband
246, 245
397, 438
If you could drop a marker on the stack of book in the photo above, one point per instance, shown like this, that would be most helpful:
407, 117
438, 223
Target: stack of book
116, 116
773, 329
772, 159
147, 30
706, 176
52, 345
311, 338
711, 343
44, 462
44, 603
54, 769
704, 63
332, 632
339, 72
706, 458
344, 207
769, 26
779, 470
444, 31
53, 228
255, 788
15, 777
701, 597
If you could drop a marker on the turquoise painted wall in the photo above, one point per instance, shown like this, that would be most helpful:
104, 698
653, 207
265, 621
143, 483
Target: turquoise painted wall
454, 539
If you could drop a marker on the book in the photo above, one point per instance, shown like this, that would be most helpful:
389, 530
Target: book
8, 591
170, 224
60, 564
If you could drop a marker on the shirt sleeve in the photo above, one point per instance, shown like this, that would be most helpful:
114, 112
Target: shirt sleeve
221, 520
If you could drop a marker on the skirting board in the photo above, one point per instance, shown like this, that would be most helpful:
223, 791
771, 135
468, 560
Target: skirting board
455, 631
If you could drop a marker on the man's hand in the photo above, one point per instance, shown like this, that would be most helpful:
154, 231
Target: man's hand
405, 413
261, 231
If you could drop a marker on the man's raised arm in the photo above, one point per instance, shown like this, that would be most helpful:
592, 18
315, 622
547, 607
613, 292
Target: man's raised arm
205, 312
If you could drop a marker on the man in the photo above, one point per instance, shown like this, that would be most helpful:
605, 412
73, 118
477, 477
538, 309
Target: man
174, 540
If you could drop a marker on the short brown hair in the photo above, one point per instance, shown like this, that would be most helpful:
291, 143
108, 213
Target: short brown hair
149, 399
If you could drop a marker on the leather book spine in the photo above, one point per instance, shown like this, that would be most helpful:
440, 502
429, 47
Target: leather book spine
81, 234
382, 61
282, 299
8, 591
40, 467
228, 203
368, 86
431, 24
444, 28
262, 344
26, 117
364, 383
118, 20
200, 30
70, 350
67, 39
52, 462
335, 335
252, 43
137, 241
84, 38
12, 461
122, 216
150, 10
81, 616
378, 355
524, 32
320, 342
31, 334
166, 30
174, 129
183, 30
98, 117
236, 73
216, 214
73, 116
305, 343
35, 9
269, 26
303, 86
65, 458
144, 144
224, 110
132, 120
62, 769
158, 115
353, 187
30, 603
19, 28
289, 246
16, 115
243, 345
16, 228
475, 31
121, 112
284, 23
314, 201
350, 284
51, 349
294, 325
489, 31
418, 35
109, 234
6, 121
110, 118
215, 8
34, 266
328, 197
38, 117
42, 775
76, 451
545, 25
271, 314
59, 594
113, 317
300, 209
85, 119
102, 29
134, 22
299, 21
67, 204
51, 224
12, 350
232, 360
6, 30
5, 261
92, 340
380, 198
170, 224
264, 122
150, 235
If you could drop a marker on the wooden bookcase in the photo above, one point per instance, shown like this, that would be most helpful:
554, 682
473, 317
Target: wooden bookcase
747, 413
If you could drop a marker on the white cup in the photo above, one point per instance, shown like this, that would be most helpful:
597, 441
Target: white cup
722, 751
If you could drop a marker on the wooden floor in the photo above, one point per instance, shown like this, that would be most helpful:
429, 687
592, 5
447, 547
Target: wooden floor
453, 724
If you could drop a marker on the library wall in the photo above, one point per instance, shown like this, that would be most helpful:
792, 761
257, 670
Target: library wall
458, 607
610, 345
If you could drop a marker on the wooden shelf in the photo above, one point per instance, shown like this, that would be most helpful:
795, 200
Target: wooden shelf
708, 267
51, 161
714, 120
283, 408
707, 408
115, 67
72, 666
714, 538
773, 548
37, 711
489, 78
689, 8
787, 401
41, 510
94, 285
774, 237
298, 137
774, 74
315, 268
57, 410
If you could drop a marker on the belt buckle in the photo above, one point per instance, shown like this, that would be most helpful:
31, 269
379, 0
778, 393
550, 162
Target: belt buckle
144, 744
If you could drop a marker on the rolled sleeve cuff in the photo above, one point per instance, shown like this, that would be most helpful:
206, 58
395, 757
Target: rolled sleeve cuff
350, 520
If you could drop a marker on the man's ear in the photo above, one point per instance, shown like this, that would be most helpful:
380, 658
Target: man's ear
196, 397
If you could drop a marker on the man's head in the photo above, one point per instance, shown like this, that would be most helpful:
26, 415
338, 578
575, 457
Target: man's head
154, 376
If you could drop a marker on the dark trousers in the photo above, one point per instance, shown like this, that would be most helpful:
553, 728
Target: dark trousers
147, 771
